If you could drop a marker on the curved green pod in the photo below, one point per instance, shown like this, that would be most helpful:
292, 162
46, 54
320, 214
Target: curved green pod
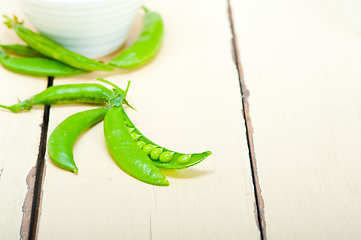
21, 50
177, 160
126, 152
63, 94
37, 66
62, 139
53, 50
145, 47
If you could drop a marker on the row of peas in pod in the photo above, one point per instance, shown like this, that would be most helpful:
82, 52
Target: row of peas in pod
162, 157
43, 57
131, 150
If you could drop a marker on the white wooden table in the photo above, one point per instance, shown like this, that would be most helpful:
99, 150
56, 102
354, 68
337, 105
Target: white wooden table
272, 88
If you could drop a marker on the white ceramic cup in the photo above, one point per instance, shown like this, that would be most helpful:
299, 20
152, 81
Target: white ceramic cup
92, 28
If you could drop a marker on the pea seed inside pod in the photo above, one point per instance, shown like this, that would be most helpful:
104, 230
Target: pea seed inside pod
166, 156
135, 136
185, 158
130, 129
128, 124
148, 148
141, 144
155, 153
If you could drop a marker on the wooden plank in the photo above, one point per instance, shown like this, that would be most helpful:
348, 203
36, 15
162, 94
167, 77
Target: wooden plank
188, 99
301, 63
19, 140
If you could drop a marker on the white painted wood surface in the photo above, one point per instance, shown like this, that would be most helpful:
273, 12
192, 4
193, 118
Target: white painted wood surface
188, 99
19, 140
301, 63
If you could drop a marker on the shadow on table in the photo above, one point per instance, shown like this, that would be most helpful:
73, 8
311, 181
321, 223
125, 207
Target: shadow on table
184, 173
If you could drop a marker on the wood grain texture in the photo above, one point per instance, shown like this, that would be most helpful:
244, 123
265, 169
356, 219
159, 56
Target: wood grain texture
188, 99
301, 63
19, 140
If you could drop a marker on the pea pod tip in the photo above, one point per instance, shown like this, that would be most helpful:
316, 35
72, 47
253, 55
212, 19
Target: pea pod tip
13, 108
207, 153
164, 183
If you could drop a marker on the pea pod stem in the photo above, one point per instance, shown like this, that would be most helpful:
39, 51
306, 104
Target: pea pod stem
116, 100
62, 139
7, 107
53, 50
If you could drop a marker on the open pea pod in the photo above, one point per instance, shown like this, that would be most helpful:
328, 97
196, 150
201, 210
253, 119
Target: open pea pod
125, 151
162, 157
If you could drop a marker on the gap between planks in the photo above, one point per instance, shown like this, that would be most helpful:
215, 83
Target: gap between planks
259, 208
40, 172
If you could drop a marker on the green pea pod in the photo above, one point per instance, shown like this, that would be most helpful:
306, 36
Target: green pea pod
53, 50
146, 46
63, 94
62, 139
126, 152
176, 161
21, 50
37, 66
